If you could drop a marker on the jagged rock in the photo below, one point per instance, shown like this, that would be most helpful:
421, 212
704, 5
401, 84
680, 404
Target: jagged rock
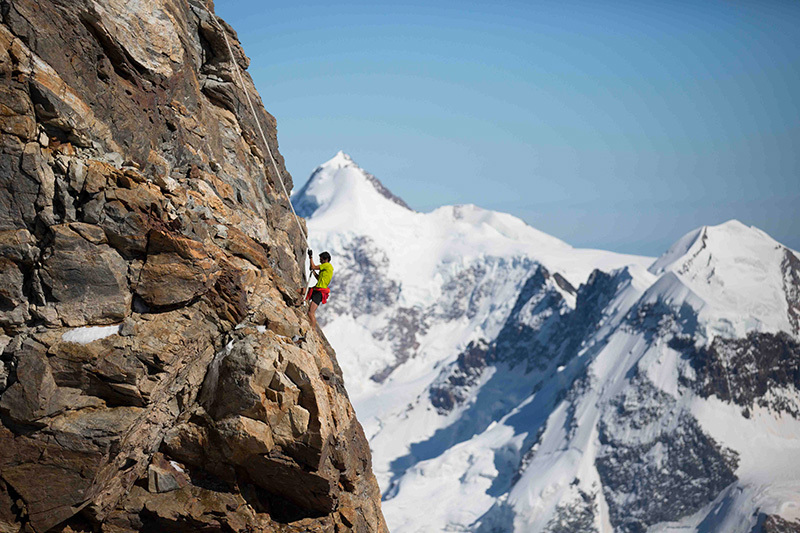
18, 246
12, 300
577, 516
148, 257
244, 437
8, 517
15, 113
164, 475
452, 387
30, 397
177, 270
791, 288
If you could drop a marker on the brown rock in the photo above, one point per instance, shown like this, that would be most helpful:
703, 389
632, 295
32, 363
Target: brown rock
177, 270
244, 375
93, 234
188, 442
16, 113
196, 508
244, 438
126, 167
98, 176
8, 515
18, 246
51, 479
33, 395
164, 475
241, 245
159, 168
126, 231
299, 417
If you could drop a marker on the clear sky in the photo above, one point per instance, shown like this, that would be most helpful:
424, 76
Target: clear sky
609, 124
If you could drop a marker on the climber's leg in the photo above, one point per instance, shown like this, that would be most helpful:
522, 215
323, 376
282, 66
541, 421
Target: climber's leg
312, 309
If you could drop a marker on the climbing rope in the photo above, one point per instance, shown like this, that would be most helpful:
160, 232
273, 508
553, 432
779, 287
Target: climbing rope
264, 138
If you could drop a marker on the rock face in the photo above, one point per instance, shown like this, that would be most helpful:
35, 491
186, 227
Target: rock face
148, 377
747, 371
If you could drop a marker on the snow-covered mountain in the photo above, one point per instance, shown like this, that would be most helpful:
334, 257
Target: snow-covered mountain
510, 382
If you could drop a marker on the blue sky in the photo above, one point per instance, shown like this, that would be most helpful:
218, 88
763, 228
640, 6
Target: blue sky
614, 124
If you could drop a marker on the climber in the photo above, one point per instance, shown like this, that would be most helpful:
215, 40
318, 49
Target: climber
318, 294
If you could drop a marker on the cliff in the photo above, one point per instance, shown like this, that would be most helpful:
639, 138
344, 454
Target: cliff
149, 379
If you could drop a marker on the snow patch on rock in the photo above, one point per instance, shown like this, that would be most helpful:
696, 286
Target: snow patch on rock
89, 334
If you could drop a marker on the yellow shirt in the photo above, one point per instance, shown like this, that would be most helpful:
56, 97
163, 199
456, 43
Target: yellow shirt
325, 275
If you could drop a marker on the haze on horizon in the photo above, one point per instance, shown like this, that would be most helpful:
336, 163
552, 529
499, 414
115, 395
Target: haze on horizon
614, 125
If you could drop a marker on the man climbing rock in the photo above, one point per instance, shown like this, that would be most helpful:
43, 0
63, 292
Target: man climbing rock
318, 294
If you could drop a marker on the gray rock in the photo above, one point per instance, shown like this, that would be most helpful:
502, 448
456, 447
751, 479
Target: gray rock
577, 516
13, 304
87, 281
128, 328
77, 175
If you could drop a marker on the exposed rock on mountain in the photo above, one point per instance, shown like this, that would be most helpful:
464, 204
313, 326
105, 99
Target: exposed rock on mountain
656, 463
148, 377
791, 285
776, 524
453, 386
756, 370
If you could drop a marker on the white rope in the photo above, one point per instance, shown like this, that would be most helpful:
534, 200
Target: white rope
264, 138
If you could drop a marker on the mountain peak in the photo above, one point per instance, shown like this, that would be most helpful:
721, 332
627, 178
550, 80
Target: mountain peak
340, 160
732, 224
734, 269
341, 179
726, 239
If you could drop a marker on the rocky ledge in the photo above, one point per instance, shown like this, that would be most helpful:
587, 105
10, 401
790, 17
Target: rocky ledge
151, 375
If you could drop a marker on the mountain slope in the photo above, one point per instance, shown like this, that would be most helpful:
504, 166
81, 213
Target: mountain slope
510, 382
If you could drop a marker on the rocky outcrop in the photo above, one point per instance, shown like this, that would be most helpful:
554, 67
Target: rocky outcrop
761, 369
775, 524
656, 463
149, 380
453, 386
543, 330
791, 288
577, 516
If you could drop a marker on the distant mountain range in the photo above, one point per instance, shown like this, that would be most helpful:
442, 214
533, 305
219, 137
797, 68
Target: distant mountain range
510, 382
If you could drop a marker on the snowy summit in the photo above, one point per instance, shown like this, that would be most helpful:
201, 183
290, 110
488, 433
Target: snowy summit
341, 180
